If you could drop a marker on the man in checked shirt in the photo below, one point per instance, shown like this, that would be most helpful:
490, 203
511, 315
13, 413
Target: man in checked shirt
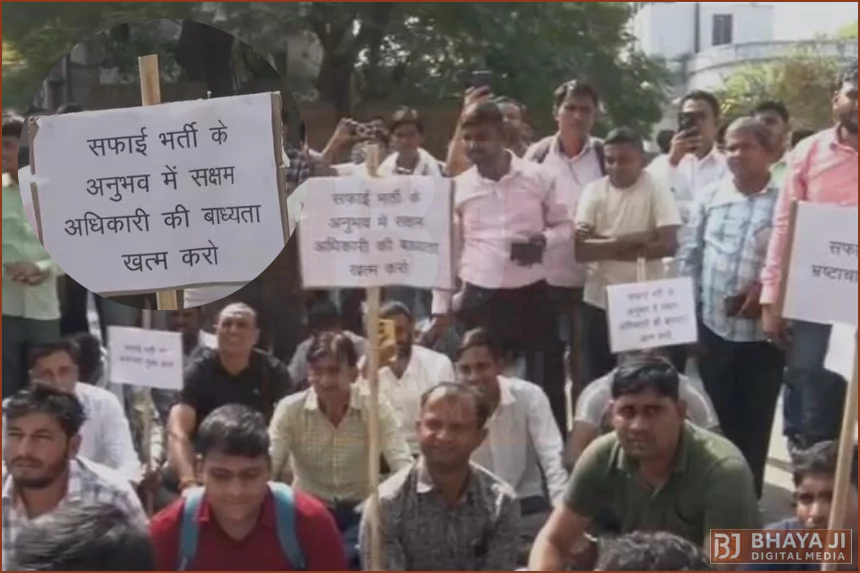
724, 250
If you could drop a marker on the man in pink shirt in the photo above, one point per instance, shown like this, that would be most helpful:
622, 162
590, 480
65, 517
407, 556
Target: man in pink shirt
822, 169
506, 215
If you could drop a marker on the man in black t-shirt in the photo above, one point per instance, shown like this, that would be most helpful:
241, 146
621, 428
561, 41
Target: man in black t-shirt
234, 373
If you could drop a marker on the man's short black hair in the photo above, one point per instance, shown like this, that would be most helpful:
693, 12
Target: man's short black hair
335, 345
44, 399
643, 373
395, 308
405, 116
68, 108
651, 551
820, 460
85, 537
444, 389
484, 113
575, 88
234, 430
13, 125
774, 106
848, 74
323, 315
479, 338
41, 351
664, 140
707, 97
625, 136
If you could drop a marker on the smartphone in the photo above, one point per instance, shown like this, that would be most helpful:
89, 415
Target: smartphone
526, 253
482, 79
386, 331
688, 123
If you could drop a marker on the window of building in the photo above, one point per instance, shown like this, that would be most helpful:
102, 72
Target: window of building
722, 30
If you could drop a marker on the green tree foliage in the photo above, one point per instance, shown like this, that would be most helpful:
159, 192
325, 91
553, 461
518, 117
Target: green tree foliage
848, 32
803, 82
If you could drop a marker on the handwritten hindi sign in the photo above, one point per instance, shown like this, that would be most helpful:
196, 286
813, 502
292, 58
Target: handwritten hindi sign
651, 314
361, 232
148, 358
161, 197
821, 284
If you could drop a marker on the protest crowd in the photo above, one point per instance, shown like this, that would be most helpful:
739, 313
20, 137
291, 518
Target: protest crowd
512, 435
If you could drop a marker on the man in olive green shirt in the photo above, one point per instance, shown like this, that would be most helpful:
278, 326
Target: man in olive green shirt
31, 309
655, 472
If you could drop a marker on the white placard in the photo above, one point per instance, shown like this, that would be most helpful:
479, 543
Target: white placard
113, 218
822, 271
651, 314
358, 232
841, 350
148, 358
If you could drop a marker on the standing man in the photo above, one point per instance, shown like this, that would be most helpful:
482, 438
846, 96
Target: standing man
775, 116
523, 446
575, 159
407, 138
442, 512
31, 307
822, 169
239, 514
41, 467
621, 218
507, 212
730, 226
233, 373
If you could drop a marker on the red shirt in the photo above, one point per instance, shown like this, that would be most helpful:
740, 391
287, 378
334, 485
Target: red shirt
318, 537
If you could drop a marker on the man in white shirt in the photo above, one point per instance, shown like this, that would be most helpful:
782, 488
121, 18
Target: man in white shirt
42, 470
623, 218
523, 446
413, 371
105, 435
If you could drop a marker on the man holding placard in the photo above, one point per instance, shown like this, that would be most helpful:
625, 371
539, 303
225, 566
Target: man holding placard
621, 218
723, 252
822, 169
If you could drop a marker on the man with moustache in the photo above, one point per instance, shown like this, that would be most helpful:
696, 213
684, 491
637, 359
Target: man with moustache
822, 169
655, 472
41, 467
443, 512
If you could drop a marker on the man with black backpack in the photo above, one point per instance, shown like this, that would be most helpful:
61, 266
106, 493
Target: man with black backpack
240, 520
575, 159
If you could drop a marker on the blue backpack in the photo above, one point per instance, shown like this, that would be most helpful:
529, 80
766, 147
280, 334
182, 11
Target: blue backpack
285, 515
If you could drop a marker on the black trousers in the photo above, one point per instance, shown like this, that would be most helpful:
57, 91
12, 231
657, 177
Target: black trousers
743, 380
524, 322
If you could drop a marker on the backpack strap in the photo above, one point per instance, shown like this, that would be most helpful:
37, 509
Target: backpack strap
542, 150
189, 529
601, 155
285, 514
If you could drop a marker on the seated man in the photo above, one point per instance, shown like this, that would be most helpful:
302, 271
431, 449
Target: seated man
814, 477
233, 373
412, 371
655, 472
241, 518
442, 512
592, 415
85, 537
323, 431
105, 435
41, 467
523, 445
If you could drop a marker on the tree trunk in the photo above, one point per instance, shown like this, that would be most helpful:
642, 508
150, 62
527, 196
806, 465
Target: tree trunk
205, 53
335, 82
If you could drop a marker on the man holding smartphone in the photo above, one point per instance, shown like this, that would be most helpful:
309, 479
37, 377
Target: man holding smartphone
506, 214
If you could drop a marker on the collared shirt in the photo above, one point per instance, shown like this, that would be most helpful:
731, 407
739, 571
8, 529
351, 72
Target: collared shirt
691, 176
328, 461
724, 253
611, 212
421, 532
426, 369
106, 434
779, 169
491, 215
572, 174
524, 445
208, 385
710, 487
299, 364
88, 483
592, 406
427, 165
316, 533
822, 169
21, 244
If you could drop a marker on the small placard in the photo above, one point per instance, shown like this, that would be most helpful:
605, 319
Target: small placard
148, 358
